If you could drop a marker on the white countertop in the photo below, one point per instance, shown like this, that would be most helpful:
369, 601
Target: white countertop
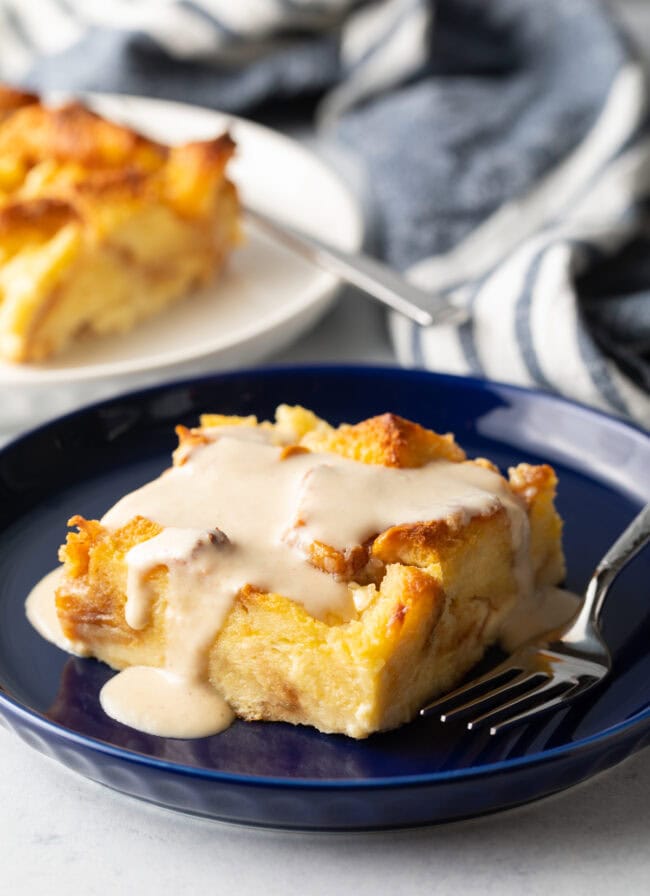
62, 834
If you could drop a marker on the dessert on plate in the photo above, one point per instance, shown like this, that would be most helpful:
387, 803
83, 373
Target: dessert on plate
295, 571
101, 227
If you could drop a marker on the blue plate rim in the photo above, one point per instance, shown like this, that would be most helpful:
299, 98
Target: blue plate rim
477, 382
625, 727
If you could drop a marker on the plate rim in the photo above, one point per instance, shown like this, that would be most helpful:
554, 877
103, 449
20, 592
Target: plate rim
605, 736
324, 286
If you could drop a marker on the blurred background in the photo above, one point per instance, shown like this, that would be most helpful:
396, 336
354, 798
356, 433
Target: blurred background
500, 153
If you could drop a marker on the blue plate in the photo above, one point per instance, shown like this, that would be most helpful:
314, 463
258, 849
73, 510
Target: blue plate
283, 776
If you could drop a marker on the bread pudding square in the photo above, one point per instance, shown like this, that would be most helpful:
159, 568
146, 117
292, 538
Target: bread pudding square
425, 596
101, 227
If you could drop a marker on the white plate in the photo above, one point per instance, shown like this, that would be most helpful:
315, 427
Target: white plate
264, 301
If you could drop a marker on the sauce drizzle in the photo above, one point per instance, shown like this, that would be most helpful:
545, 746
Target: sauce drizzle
239, 511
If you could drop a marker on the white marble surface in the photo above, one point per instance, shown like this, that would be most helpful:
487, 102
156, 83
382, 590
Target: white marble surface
61, 834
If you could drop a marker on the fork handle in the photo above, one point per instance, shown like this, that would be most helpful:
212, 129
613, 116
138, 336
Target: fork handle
626, 546
371, 276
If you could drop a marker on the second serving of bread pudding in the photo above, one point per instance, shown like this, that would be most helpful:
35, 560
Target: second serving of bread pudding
294, 571
100, 227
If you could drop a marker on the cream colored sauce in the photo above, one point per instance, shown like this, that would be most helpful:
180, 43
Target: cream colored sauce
160, 702
269, 507
236, 513
547, 608
343, 503
41, 612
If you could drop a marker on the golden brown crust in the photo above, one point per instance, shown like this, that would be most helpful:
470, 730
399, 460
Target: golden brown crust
11, 98
346, 565
93, 554
289, 451
74, 133
388, 440
84, 200
422, 544
44, 216
188, 439
536, 486
91, 157
529, 481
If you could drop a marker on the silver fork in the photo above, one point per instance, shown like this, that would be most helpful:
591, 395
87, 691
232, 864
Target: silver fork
373, 277
555, 667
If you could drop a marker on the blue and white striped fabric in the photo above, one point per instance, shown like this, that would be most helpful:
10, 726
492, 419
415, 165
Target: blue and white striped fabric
507, 146
521, 271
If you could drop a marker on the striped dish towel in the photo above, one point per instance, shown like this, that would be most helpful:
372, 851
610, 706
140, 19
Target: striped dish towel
506, 143
530, 274
520, 188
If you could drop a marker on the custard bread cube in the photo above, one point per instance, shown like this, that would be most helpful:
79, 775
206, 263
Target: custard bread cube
427, 596
101, 227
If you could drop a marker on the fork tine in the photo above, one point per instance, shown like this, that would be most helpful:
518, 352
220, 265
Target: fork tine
484, 700
476, 685
538, 709
575, 689
551, 684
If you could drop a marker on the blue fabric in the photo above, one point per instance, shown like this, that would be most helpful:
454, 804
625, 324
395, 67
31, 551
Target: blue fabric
506, 89
489, 100
125, 62
493, 115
